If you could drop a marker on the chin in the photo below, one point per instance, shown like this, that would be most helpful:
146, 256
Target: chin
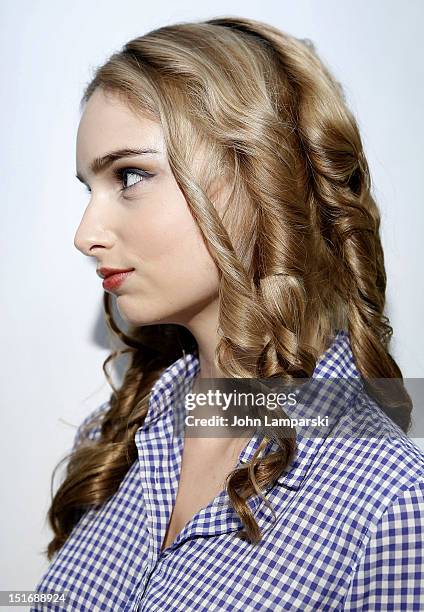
137, 315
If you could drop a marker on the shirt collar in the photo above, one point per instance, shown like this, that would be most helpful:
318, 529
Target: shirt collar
337, 362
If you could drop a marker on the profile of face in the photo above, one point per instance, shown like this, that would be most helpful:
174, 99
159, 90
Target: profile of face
137, 217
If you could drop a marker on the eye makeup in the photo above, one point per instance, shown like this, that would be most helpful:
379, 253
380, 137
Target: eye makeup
120, 174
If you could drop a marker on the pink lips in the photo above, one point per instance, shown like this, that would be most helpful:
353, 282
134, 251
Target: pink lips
113, 277
115, 280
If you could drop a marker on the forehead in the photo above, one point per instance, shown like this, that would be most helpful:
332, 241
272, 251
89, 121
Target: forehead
108, 123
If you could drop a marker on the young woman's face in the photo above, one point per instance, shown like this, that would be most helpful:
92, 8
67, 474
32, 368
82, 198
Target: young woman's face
137, 217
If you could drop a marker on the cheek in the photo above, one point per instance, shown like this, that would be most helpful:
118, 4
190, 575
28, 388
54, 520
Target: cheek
170, 250
186, 263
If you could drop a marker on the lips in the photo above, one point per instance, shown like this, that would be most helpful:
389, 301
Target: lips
113, 281
106, 272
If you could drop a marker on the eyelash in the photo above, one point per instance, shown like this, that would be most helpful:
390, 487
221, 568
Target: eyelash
119, 174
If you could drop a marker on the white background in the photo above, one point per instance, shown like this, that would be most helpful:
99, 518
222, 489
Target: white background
53, 339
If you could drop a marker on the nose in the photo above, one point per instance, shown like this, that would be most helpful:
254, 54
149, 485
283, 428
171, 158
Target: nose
92, 235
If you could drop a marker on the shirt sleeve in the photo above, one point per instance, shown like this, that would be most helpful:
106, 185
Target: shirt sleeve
90, 427
391, 571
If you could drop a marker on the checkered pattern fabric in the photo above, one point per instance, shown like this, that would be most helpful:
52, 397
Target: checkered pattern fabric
347, 532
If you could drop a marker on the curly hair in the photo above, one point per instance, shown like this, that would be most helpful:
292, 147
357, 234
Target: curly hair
298, 247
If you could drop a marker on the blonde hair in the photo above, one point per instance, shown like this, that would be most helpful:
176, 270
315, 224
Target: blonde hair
298, 247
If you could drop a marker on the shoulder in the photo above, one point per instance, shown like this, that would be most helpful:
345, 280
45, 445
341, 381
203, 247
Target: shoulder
374, 448
368, 465
390, 565
375, 474
396, 458
90, 427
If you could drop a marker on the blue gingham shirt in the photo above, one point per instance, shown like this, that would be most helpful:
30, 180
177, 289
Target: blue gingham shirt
348, 536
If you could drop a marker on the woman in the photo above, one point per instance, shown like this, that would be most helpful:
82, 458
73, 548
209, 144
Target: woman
230, 194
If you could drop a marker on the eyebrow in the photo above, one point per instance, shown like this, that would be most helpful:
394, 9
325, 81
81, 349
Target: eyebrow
99, 164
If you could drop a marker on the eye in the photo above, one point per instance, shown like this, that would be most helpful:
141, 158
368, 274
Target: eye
132, 175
